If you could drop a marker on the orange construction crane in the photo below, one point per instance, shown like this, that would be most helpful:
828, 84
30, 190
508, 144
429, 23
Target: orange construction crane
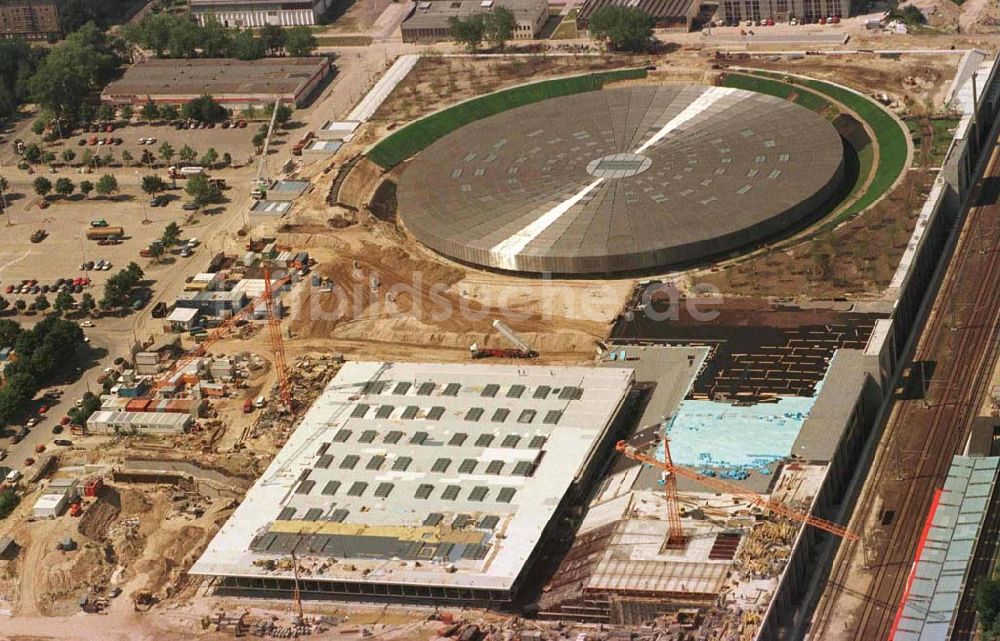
277, 342
217, 334
724, 486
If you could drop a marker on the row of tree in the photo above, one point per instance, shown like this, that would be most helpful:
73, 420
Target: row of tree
42, 352
63, 302
172, 36
106, 186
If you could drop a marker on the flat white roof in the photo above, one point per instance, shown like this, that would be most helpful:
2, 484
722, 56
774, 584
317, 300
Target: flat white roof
182, 315
458, 466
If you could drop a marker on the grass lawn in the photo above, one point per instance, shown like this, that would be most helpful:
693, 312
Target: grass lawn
412, 138
343, 41
567, 28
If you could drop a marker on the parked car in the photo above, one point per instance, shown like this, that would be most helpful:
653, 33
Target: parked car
189, 207
63, 442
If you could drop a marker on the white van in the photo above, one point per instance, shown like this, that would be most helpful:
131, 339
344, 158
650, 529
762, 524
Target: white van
261, 401
13, 476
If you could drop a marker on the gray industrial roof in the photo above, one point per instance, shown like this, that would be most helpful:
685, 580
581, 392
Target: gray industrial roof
621, 179
943, 565
391, 465
216, 76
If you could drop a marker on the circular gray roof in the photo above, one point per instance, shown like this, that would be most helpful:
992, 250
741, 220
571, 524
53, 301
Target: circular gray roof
621, 179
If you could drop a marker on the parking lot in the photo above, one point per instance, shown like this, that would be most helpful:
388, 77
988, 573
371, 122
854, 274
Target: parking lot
235, 141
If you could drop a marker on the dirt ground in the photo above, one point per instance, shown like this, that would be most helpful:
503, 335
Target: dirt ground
132, 537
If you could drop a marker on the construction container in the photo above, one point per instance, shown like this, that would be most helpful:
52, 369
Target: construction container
92, 487
138, 405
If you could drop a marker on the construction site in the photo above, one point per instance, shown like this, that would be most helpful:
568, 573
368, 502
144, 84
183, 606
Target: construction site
451, 375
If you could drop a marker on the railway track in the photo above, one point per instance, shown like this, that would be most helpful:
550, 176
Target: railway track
869, 576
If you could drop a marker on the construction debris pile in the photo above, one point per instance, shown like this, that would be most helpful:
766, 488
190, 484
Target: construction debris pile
270, 626
308, 377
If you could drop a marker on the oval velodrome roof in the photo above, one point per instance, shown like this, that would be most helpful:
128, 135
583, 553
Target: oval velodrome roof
621, 179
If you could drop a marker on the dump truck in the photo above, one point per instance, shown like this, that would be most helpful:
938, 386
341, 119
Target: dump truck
102, 233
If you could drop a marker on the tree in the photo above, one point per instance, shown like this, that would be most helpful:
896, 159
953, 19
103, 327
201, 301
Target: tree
204, 109
4, 303
18, 61
152, 32
87, 303
20, 304
499, 26
210, 158
468, 31
9, 331
200, 190
107, 185
48, 158
86, 187
284, 114
126, 158
187, 154
153, 185
32, 153
73, 71
250, 113
41, 303
105, 113
166, 152
215, 40
8, 498
168, 112
170, 235
64, 302
227, 159
64, 187
184, 38
42, 186
68, 155
988, 602
155, 251
38, 127
135, 272
910, 14
622, 28
273, 37
87, 159
258, 140
127, 113
150, 111
300, 41
247, 47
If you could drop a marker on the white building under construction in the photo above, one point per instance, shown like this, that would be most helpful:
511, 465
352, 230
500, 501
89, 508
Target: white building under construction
421, 482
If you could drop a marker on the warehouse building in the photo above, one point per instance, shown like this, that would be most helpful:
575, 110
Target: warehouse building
422, 481
431, 21
674, 15
239, 14
236, 84
29, 19
781, 10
